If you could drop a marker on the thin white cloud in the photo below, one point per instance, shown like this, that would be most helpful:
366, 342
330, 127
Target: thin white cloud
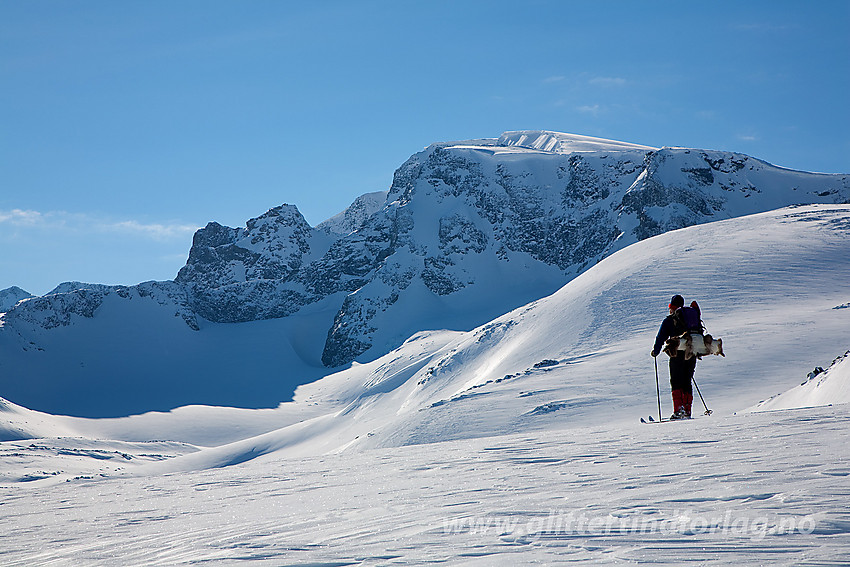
155, 230
608, 81
84, 222
593, 109
554, 79
20, 217
747, 137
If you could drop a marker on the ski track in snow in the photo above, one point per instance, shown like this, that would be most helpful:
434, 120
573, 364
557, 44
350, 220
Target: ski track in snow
765, 488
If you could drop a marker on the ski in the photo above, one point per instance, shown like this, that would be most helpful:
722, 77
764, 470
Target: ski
651, 419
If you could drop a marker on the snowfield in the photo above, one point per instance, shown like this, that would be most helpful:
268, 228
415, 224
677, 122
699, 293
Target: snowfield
760, 489
514, 443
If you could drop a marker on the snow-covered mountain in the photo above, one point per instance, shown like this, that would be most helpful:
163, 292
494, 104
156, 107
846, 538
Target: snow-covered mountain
467, 231
517, 216
766, 284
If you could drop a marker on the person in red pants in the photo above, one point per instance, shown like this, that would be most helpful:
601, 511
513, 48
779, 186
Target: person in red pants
680, 320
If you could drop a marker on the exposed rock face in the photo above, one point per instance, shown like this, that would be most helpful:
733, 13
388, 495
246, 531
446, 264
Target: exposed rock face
466, 232
252, 273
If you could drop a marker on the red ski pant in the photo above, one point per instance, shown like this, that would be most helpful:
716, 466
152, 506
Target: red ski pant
681, 381
682, 399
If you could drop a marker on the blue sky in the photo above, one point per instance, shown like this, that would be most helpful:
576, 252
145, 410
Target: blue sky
126, 125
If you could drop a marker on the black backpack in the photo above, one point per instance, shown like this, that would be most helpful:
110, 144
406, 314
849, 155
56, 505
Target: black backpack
688, 319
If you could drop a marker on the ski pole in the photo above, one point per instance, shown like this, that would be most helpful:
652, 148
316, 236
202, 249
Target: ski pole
707, 411
657, 387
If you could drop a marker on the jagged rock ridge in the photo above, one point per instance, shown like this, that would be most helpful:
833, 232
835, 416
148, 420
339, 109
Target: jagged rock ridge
58, 309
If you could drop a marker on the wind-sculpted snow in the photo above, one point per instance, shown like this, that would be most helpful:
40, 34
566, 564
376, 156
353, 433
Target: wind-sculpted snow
764, 489
467, 231
562, 143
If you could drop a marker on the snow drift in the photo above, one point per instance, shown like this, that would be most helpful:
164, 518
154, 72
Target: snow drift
822, 388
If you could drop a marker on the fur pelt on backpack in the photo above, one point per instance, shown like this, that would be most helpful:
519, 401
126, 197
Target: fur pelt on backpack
693, 344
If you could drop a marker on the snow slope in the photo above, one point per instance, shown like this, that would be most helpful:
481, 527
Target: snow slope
822, 388
82, 368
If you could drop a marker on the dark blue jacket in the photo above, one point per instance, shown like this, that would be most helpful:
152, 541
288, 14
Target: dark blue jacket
669, 328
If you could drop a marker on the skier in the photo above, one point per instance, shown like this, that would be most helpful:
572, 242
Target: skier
680, 320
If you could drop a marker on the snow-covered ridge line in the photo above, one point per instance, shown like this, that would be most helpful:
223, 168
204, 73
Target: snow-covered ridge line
83, 300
